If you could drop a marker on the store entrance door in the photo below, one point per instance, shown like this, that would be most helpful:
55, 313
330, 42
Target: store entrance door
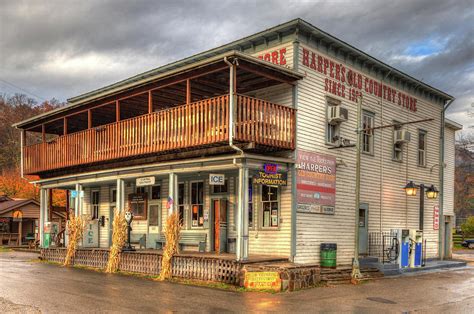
219, 235
363, 229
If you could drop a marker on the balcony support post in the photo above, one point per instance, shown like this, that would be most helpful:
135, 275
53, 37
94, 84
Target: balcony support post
120, 201
65, 126
188, 92
89, 119
43, 133
173, 193
117, 110
150, 102
43, 214
242, 249
78, 200
22, 144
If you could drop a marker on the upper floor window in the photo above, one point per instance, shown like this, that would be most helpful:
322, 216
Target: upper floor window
421, 148
368, 132
397, 153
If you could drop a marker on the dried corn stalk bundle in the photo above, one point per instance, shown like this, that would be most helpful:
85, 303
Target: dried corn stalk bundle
75, 226
172, 233
119, 236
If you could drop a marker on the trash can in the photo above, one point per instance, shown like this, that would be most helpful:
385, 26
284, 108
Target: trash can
328, 255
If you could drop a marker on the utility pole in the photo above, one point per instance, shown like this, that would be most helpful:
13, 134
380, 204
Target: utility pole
355, 261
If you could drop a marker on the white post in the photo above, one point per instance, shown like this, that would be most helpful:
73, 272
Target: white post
173, 192
242, 249
42, 215
76, 200
120, 201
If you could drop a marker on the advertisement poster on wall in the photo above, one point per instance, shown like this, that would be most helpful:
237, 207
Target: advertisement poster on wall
315, 182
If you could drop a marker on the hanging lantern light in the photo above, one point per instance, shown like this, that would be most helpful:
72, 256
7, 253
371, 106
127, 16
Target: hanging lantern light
410, 189
432, 192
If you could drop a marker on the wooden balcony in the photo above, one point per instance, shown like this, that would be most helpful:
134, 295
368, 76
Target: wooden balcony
197, 125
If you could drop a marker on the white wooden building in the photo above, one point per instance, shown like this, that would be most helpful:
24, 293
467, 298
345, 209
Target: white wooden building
282, 102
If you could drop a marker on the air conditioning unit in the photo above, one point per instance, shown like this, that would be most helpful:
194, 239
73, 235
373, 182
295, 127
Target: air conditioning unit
337, 114
341, 141
401, 136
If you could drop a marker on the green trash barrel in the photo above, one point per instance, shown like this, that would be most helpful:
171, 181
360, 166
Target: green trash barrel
328, 255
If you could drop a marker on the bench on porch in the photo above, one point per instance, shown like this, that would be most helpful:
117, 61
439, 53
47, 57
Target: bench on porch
195, 239
139, 239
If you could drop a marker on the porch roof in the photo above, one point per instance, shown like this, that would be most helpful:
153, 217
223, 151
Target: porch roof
274, 72
12, 204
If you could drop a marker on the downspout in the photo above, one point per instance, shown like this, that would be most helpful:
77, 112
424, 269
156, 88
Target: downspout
232, 104
21, 154
381, 150
441, 183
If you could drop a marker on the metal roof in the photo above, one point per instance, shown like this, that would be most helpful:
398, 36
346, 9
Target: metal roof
452, 124
295, 27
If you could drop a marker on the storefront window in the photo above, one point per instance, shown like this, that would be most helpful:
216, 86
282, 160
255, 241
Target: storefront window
95, 203
197, 203
181, 202
155, 192
250, 203
216, 189
153, 218
137, 204
270, 206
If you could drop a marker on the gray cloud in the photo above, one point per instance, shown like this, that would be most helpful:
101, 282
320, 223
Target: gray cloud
64, 48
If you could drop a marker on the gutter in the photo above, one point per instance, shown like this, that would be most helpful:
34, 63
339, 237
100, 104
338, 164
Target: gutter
441, 243
232, 96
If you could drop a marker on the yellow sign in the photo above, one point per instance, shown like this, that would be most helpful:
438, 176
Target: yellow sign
263, 280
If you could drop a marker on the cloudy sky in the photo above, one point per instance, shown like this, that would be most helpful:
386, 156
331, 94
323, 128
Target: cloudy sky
63, 48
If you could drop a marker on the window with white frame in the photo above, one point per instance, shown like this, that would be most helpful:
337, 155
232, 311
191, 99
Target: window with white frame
250, 203
368, 132
332, 128
270, 207
95, 203
397, 153
421, 148
197, 204
181, 202
113, 195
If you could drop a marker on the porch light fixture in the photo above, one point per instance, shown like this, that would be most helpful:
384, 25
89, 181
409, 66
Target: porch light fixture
432, 192
410, 189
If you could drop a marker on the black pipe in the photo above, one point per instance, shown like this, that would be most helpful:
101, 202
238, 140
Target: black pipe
422, 206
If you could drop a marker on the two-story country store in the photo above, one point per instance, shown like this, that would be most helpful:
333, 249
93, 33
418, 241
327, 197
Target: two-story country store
252, 143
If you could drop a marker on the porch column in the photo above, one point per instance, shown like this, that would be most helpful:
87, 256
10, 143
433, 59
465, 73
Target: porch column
120, 201
78, 200
242, 249
43, 214
173, 193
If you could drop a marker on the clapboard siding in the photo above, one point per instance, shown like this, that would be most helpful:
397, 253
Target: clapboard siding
382, 178
449, 159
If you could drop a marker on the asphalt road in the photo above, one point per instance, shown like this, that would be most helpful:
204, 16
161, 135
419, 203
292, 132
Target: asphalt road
32, 287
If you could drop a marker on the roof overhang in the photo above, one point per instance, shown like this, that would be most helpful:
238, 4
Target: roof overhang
164, 72
452, 124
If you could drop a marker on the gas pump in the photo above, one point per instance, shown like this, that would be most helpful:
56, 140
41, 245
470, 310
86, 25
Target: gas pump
405, 248
416, 241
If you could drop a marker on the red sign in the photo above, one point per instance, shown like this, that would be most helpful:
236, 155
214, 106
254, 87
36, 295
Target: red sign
316, 179
270, 168
338, 76
275, 56
435, 217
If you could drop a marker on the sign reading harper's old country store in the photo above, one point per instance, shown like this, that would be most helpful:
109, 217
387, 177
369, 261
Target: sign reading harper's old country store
338, 75
315, 182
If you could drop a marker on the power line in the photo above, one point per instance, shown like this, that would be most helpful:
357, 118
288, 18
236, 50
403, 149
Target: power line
24, 90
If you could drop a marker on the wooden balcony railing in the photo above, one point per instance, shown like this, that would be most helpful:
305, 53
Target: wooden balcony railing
184, 127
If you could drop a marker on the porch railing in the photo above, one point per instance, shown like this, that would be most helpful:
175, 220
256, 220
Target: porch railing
184, 127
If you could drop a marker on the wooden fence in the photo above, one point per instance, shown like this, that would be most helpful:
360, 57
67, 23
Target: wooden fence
149, 263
